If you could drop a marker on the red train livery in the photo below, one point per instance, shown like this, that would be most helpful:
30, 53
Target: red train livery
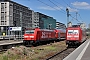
60, 34
35, 36
75, 36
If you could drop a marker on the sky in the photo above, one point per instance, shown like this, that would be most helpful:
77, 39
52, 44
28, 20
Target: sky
79, 10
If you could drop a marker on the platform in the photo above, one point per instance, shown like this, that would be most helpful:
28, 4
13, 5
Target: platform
6, 42
86, 55
80, 53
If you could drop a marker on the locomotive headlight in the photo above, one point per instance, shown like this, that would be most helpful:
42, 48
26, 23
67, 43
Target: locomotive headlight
31, 36
76, 36
25, 36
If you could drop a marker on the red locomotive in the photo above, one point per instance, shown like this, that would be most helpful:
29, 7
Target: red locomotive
60, 34
75, 36
35, 36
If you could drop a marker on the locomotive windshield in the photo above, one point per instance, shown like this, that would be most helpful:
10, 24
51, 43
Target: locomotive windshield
70, 31
73, 31
76, 32
29, 31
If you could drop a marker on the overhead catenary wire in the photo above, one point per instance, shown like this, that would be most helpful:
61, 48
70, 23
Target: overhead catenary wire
57, 6
50, 6
69, 6
58, 3
66, 3
76, 11
75, 18
80, 16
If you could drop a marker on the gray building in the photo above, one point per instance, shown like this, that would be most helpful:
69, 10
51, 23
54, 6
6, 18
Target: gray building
89, 25
35, 22
60, 25
82, 25
12, 14
38, 20
43, 21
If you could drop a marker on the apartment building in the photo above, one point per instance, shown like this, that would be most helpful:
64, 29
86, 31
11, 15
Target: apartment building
35, 22
14, 14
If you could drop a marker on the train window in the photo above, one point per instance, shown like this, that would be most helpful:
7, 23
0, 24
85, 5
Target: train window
29, 31
70, 31
76, 32
73, 31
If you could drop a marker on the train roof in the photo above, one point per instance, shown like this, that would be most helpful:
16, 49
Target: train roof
63, 30
76, 28
39, 29
73, 28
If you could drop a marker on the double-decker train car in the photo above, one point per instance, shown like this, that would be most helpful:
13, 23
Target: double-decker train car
75, 36
37, 35
60, 34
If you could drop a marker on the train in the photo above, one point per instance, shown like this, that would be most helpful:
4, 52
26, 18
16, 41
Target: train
75, 36
60, 34
37, 36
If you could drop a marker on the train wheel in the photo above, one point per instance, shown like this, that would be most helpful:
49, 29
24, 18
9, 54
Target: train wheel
24, 43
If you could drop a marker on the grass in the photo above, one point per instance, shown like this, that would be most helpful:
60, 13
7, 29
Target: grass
5, 57
50, 48
35, 53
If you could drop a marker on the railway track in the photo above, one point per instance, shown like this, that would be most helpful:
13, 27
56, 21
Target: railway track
5, 45
61, 55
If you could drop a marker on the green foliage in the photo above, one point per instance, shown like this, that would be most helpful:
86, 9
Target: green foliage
5, 57
8, 52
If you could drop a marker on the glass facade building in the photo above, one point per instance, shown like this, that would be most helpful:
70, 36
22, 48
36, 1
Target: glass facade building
49, 23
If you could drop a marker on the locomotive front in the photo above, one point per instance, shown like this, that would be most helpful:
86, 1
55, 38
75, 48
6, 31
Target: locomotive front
73, 36
29, 37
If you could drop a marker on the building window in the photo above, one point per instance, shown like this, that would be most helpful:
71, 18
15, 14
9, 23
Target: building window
5, 18
5, 22
2, 18
5, 5
2, 22
2, 6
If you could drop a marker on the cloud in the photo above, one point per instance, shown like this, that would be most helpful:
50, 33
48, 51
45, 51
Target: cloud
81, 5
72, 10
50, 8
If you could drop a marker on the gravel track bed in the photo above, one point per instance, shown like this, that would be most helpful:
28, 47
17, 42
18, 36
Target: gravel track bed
61, 55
